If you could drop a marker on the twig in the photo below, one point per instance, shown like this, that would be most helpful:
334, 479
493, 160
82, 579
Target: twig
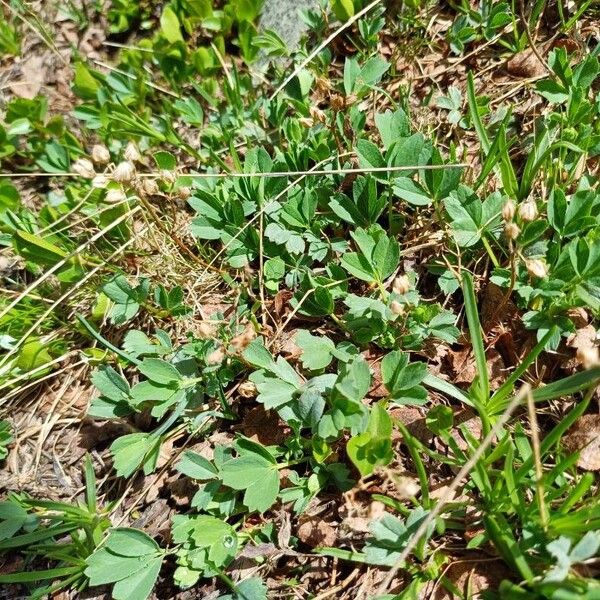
65, 260
236, 175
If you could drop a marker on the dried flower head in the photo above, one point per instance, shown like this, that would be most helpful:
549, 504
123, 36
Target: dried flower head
115, 195
511, 230
508, 210
84, 168
536, 267
240, 342
396, 307
216, 357
401, 285
184, 192
247, 389
149, 186
100, 181
124, 172
206, 330
100, 154
168, 176
528, 211
132, 153
588, 356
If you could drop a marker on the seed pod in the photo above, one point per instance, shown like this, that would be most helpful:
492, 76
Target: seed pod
396, 307
184, 192
132, 153
168, 176
124, 172
115, 195
511, 230
216, 357
100, 181
317, 114
100, 154
337, 102
84, 168
247, 389
508, 210
401, 285
240, 342
206, 330
536, 267
528, 211
150, 187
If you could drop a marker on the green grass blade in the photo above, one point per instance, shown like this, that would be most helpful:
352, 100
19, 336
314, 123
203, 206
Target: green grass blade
38, 575
446, 388
567, 386
497, 402
476, 337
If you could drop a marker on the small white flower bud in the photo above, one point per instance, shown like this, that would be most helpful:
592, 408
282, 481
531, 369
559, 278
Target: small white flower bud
536, 267
115, 196
132, 153
511, 230
508, 210
528, 211
401, 285
84, 168
100, 181
124, 172
100, 154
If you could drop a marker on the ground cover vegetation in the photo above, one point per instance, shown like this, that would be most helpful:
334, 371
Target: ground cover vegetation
308, 322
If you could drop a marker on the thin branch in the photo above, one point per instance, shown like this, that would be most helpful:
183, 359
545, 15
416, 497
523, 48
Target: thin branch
223, 175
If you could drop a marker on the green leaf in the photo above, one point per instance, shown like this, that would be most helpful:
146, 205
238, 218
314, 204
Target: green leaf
378, 255
372, 448
12, 518
127, 541
160, 371
369, 154
403, 380
316, 351
196, 466
342, 9
169, 25
256, 475
110, 384
165, 160
392, 126
85, 84
130, 559
131, 451
37, 249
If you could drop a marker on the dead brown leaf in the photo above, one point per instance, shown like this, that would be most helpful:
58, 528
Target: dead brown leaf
525, 64
264, 426
314, 532
584, 437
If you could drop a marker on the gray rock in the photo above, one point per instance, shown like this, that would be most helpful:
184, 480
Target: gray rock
281, 16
